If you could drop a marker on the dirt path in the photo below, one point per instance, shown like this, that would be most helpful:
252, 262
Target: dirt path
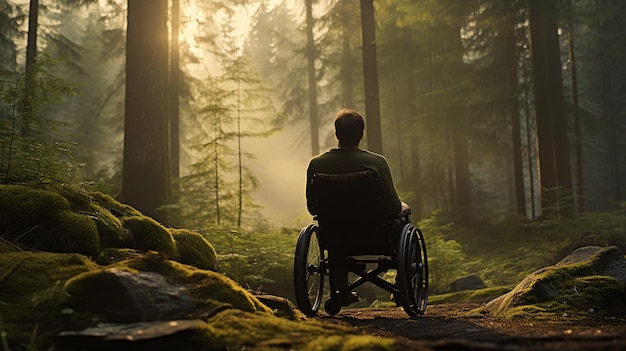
452, 327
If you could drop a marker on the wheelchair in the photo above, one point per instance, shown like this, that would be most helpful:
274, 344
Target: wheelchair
351, 236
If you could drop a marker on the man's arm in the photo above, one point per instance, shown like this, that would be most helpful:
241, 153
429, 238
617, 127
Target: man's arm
392, 199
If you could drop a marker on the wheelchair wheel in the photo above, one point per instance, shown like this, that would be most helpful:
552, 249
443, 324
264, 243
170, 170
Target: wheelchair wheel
308, 271
412, 278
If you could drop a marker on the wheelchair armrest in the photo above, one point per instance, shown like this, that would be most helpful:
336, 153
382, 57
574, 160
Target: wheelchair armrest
405, 212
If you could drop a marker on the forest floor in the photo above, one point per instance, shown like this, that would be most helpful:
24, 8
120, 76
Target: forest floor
452, 326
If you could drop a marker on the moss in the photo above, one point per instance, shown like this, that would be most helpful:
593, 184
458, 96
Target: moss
148, 235
110, 229
78, 198
117, 208
240, 330
598, 295
469, 295
194, 249
24, 210
31, 294
526, 311
72, 232
351, 343
212, 287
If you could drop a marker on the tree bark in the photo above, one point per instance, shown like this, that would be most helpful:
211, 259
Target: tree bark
175, 93
554, 156
31, 57
310, 53
146, 168
347, 64
370, 78
462, 175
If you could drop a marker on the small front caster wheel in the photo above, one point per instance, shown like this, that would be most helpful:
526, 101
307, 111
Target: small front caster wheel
332, 306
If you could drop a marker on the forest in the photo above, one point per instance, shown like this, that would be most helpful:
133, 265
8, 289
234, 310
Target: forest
504, 122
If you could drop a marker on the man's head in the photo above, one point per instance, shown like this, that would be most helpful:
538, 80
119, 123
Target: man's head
349, 126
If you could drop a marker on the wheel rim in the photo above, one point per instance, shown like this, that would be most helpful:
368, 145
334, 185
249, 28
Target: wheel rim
314, 272
309, 271
413, 272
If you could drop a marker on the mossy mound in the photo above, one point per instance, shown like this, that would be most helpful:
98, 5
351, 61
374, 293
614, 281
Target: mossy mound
36, 291
149, 234
31, 293
194, 249
43, 220
228, 330
211, 287
590, 281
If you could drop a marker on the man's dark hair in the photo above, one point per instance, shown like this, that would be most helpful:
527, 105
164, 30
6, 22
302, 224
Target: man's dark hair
349, 126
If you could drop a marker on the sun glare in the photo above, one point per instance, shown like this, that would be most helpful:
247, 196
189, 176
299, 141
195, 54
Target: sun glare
191, 16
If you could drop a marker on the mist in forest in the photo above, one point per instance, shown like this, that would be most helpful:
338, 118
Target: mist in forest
504, 106
280, 164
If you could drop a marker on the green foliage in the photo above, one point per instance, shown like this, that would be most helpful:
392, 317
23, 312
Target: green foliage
148, 234
34, 148
194, 249
258, 261
446, 259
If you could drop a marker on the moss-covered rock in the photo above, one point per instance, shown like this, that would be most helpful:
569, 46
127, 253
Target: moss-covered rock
121, 295
31, 294
228, 330
194, 249
211, 287
148, 235
72, 233
25, 210
117, 208
589, 281
110, 229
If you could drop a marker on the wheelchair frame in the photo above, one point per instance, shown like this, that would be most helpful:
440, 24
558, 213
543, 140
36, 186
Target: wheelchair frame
405, 251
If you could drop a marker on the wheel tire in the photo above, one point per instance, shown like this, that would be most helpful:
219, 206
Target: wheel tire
412, 279
332, 306
308, 271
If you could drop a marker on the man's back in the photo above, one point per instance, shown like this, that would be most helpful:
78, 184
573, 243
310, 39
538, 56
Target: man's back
348, 160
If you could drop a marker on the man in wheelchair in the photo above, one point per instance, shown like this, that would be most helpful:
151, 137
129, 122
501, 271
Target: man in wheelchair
350, 192
349, 158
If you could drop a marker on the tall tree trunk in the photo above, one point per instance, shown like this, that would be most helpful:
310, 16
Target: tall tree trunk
31, 58
370, 77
554, 157
462, 175
146, 167
310, 54
347, 64
175, 94
417, 204
239, 155
514, 111
580, 181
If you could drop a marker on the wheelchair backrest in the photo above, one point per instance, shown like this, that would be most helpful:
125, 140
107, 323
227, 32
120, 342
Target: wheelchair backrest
350, 211
347, 196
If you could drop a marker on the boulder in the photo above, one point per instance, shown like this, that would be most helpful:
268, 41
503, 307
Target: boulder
120, 296
468, 282
589, 280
